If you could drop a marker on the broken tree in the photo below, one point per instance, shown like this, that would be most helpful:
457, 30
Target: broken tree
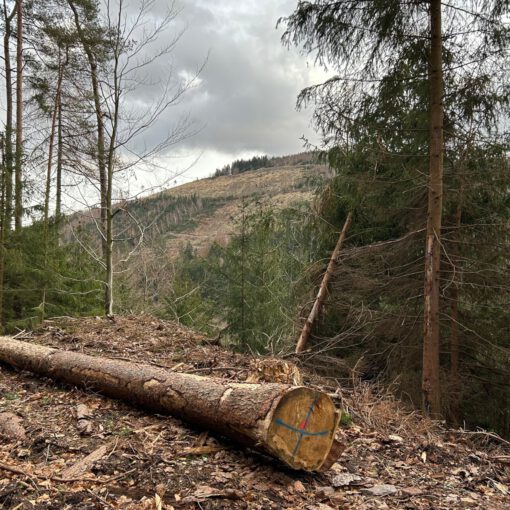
294, 424
321, 295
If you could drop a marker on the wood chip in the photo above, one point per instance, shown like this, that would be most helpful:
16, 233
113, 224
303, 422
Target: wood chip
345, 479
380, 490
11, 426
84, 425
86, 463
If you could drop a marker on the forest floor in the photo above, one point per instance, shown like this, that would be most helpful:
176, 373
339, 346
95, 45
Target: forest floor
394, 458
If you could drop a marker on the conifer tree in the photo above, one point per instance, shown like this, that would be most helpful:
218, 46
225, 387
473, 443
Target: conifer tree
365, 43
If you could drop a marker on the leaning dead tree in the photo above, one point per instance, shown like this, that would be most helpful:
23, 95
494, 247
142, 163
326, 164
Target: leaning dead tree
323, 289
292, 423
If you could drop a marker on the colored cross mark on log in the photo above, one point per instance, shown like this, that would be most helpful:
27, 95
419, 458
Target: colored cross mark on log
301, 428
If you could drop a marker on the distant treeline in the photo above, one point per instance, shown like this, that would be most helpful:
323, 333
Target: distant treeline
245, 165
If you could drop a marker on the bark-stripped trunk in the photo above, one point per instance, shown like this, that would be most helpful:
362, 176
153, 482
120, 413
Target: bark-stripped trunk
18, 180
294, 424
323, 289
430, 377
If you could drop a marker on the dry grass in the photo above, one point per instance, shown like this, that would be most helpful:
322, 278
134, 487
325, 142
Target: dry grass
266, 181
378, 409
274, 187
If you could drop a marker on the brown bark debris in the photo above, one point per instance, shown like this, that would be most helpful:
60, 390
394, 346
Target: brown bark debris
153, 455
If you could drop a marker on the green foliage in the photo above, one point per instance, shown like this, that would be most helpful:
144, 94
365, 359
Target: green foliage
346, 420
241, 165
251, 286
186, 302
44, 279
245, 165
373, 117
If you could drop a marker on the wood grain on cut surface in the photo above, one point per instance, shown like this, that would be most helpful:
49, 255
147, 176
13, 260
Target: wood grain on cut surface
303, 428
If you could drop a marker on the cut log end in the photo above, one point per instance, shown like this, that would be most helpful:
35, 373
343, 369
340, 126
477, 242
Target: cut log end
302, 428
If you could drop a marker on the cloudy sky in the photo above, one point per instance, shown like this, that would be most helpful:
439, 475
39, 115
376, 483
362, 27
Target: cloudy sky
243, 103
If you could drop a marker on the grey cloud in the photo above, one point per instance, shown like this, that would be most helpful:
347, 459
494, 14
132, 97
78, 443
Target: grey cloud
245, 101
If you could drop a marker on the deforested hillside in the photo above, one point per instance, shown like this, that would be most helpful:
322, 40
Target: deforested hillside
203, 211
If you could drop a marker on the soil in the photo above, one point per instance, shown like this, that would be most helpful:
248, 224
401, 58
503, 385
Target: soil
394, 458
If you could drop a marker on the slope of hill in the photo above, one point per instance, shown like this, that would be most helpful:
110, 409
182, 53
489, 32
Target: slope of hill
224, 197
204, 211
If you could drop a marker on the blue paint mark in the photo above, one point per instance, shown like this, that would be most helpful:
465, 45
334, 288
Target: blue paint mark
302, 428
300, 431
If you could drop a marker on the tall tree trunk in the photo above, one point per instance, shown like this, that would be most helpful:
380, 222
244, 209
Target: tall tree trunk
106, 219
103, 179
18, 181
108, 304
53, 131
3, 221
57, 103
454, 328
431, 366
60, 154
294, 424
9, 153
108, 256
321, 295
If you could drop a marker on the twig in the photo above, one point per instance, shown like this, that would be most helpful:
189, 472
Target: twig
492, 435
18, 471
13, 469
214, 369
92, 493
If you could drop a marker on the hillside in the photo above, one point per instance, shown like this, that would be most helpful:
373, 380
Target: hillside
394, 459
205, 211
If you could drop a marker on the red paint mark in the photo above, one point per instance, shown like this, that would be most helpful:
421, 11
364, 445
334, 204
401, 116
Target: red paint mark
303, 425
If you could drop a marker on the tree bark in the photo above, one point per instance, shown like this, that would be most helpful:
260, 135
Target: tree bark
18, 176
454, 330
430, 372
110, 167
3, 218
321, 295
294, 424
53, 133
9, 154
60, 154
103, 168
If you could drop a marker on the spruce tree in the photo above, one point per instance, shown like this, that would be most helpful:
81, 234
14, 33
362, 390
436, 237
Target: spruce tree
365, 43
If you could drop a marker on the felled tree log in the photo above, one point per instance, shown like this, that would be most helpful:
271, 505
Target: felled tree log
294, 424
